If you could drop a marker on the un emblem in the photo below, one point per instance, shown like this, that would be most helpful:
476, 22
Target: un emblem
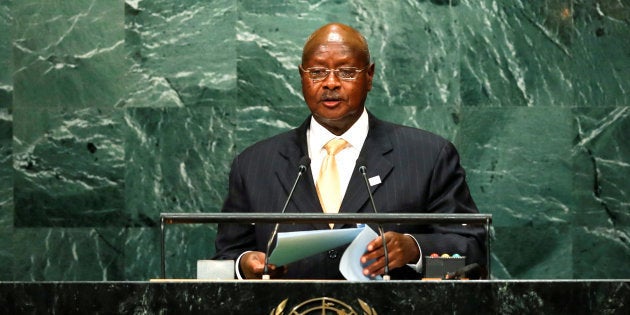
323, 305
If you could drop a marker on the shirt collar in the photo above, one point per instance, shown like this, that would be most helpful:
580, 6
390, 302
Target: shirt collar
318, 136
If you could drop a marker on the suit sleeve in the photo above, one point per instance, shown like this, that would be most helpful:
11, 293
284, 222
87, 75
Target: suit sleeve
234, 239
449, 193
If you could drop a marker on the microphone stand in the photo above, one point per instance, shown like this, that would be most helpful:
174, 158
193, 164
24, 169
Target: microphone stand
363, 171
301, 169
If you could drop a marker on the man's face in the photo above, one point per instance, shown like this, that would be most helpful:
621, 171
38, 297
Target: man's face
335, 103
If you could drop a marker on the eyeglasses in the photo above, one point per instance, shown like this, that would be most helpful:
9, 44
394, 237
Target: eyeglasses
317, 74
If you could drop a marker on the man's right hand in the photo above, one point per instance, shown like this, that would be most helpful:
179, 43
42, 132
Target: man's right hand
253, 263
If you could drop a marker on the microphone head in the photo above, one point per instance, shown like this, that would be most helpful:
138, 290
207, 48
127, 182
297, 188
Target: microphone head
361, 164
304, 163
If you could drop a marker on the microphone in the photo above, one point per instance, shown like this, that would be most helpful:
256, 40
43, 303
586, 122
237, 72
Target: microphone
363, 170
305, 161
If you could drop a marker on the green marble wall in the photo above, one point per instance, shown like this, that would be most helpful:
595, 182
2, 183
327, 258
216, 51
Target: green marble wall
113, 111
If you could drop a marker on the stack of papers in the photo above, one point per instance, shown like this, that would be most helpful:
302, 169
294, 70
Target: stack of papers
293, 246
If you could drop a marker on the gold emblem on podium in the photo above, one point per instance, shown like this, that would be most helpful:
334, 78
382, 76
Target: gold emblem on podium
323, 305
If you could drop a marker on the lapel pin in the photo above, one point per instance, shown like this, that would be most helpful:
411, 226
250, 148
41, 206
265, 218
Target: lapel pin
374, 180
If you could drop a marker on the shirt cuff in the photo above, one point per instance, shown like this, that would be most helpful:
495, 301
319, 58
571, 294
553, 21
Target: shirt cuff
237, 266
417, 266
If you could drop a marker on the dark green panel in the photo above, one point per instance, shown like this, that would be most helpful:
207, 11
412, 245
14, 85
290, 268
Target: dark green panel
181, 53
6, 80
545, 53
602, 168
6, 124
142, 253
6, 196
600, 253
59, 254
416, 51
69, 167
6, 170
6, 147
443, 121
516, 53
260, 122
68, 54
518, 162
601, 46
177, 161
184, 245
533, 252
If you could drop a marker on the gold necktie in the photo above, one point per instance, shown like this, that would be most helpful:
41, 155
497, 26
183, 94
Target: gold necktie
328, 182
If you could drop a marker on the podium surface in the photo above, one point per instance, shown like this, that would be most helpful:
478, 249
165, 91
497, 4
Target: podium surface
283, 297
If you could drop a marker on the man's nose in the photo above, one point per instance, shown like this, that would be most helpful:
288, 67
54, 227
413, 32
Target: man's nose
332, 82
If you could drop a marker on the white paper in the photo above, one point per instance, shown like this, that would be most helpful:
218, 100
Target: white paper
293, 246
350, 264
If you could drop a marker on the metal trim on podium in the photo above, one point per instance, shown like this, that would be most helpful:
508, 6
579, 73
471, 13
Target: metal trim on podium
294, 218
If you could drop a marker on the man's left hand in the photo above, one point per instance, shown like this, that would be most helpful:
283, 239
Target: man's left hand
402, 249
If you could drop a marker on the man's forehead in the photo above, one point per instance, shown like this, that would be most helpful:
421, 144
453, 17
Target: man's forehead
324, 51
332, 41
327, 46
337, 38
334, 37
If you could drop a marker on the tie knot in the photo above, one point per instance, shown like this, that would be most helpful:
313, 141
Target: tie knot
335, 145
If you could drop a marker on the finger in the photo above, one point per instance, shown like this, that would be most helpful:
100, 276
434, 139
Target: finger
374, 250
257, 269
373, 273
375, 244
376, 267
278, 272
252, 265
255, 264
273, 267
372, 255
376, 254
251, 273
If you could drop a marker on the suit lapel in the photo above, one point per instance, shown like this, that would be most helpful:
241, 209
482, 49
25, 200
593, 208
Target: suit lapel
305, 196
375, 148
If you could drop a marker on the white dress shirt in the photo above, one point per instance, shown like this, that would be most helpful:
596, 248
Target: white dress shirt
317, 136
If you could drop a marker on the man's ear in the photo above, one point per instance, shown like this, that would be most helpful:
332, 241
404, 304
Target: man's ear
370, 76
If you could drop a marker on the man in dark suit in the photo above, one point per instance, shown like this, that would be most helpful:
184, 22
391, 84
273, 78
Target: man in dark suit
410, 171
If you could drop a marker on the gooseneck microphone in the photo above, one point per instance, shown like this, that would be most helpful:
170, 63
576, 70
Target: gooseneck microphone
305, 161
363, 170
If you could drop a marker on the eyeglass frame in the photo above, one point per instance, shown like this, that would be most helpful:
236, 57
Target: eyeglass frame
335, 71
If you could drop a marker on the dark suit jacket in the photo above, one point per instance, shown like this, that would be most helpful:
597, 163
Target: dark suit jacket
420, 172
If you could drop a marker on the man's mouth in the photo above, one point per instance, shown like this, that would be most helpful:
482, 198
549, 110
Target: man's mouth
331, 100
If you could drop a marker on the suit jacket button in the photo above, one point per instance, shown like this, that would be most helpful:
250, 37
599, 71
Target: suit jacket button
332, 254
